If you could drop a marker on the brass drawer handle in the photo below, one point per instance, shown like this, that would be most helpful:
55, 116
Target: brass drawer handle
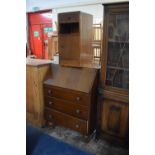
49, 116
77, 111
78, 98
50, 103
49, 91
77, 126
50, 123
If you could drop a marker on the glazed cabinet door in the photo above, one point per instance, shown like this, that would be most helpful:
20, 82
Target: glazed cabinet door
115, 118
115, 58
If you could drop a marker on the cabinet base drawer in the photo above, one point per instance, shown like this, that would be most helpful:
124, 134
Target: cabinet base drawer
70, 17
67, 107
69, 95
59, 118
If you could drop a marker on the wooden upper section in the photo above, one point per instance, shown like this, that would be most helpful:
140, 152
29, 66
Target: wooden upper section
37, 62
78, 79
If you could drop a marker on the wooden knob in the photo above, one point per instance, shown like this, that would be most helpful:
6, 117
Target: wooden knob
77, 126
77, 111
78, 98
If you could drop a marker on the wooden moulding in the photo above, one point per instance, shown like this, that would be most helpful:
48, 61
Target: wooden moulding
115, 96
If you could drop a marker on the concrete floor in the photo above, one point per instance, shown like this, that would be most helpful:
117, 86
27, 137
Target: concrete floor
100, 147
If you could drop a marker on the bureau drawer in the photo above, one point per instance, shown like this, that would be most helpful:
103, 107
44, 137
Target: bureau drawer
65, 94
59, 118
67, 107
68, 17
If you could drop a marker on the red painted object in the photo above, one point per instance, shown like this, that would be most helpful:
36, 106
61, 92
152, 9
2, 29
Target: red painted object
40, 26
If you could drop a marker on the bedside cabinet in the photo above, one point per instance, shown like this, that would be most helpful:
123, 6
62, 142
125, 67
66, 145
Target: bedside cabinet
70, 98
75, 39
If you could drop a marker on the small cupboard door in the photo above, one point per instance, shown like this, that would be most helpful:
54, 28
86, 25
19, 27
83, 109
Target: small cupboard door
114, 118
69, 47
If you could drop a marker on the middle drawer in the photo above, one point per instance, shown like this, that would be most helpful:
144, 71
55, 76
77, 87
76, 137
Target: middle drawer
67, 107
69, 95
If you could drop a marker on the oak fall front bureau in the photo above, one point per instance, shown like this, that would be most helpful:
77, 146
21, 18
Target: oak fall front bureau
70, 98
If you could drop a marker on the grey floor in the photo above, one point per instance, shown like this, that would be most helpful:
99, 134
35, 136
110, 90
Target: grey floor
100, 147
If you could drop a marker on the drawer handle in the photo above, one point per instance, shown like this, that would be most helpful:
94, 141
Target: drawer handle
50, 103
69, 18
62, 46
77, 111
50, 123
77, 126
78, 98
49, 116
49, 91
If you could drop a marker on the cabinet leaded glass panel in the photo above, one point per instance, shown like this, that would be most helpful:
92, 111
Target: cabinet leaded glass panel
117, 71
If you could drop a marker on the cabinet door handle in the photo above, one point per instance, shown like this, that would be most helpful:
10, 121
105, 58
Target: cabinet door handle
77, 111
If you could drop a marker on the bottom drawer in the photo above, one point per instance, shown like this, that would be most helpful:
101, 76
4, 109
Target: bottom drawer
59, 118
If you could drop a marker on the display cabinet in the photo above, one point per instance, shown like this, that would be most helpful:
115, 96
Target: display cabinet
115, 70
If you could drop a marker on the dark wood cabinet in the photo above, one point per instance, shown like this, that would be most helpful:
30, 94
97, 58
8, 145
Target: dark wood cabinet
115, 70
115, 118
75, 39
70, 98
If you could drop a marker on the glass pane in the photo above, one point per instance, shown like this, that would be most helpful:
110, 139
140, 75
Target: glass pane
118, 51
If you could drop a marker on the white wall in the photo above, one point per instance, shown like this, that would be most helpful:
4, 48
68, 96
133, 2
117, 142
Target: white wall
45, 4
93, 7
96, 10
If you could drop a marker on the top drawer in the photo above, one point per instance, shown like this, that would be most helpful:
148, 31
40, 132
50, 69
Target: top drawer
68, 17
69, 95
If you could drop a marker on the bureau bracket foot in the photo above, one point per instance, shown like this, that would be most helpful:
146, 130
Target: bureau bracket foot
92, 136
